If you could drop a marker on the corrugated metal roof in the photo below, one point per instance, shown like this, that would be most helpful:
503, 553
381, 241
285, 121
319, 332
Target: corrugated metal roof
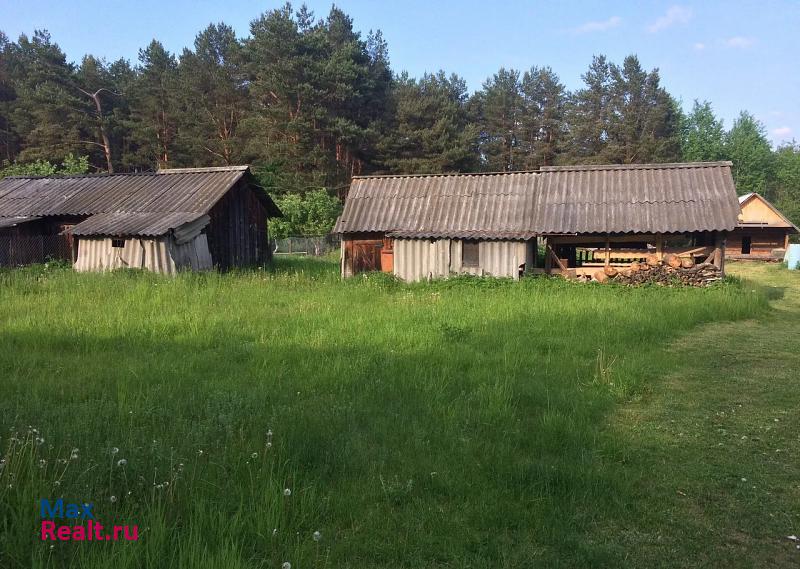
642, 198
134, 224
178, 190
636, 198
492, 206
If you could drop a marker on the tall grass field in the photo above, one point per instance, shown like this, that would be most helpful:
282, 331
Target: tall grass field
285, 418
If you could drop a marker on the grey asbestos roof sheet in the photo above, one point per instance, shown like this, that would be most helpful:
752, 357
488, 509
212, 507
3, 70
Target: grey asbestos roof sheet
133, 224
644, 198
178, 191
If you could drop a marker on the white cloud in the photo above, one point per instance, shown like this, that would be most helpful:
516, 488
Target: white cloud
599, 26
740, 42
699, 46
782, 132
675, 15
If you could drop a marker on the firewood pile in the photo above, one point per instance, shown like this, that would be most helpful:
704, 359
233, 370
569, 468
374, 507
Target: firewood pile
672, 270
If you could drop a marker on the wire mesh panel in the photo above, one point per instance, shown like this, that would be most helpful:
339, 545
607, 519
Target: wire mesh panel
16, 251
315, 246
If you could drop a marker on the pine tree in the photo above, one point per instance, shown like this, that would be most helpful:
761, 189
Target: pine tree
212, 98
588, 114
498, 108
429, 129
703, 135
746, 145
153, 108
542, 118
100, 96
46, 113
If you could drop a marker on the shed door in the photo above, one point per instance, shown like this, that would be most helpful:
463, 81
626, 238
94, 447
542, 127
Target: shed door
746, 242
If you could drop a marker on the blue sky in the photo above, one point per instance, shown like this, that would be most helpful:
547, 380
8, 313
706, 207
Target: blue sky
738, 55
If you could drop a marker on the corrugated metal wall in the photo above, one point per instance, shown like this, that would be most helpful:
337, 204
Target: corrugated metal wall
422, 259
160, 255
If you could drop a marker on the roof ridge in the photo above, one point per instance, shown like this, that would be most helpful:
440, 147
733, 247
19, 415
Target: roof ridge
440, 175
160, 172
647, 166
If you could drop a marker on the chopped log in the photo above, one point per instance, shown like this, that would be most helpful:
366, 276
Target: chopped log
687, 263
653, 260
635, 267
600, 276
672, 260
610, 271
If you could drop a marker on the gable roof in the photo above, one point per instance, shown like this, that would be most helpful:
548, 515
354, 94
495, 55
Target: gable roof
784, 223
188, 191
641, 198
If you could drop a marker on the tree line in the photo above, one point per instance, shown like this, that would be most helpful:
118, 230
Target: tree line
312, 102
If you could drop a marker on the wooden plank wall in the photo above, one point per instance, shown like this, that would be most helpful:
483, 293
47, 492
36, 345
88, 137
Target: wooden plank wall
237, 233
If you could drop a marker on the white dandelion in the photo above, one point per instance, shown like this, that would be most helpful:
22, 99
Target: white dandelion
287, 492
317, 536
286, 565
114, 450
113, 499
254, 455
122, 462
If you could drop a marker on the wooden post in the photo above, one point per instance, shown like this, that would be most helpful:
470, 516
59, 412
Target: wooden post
660, 247
548, 257
608, 251
719, 251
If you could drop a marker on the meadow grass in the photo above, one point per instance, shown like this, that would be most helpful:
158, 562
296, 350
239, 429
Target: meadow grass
463, 423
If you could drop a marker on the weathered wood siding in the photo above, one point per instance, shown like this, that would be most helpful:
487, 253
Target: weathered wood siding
762, 242
237, 233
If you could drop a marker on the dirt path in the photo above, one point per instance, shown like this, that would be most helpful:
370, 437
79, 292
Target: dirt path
715, 447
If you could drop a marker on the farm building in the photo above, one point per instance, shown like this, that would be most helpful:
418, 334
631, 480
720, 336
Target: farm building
186, 218
762, 232
583, 217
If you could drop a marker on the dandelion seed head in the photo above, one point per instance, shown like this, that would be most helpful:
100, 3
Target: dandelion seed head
122, 462
287, 492
286, 565
73, 456
42, 463
254, 455
113, 499
269, 444
114, 450
317, 536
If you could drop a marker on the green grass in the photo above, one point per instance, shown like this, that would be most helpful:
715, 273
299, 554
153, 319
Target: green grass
466, 423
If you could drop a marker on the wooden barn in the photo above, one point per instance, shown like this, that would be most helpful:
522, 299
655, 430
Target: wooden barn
583, 219
762, 232
186, 218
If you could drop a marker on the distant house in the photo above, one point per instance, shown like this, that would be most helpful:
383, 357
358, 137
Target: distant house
762, 232
585, 217
187, 218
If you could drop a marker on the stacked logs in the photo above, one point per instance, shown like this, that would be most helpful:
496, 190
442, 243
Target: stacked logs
672, 270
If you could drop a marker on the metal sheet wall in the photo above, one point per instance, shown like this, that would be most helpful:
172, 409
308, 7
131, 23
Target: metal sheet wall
160, 255
422, 259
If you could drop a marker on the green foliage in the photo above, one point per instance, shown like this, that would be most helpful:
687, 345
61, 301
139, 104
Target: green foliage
703, 135
70, 165
787, 181
746, 145
311, 214
623, 116
429, 129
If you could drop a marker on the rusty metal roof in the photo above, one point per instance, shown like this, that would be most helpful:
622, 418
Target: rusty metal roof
133, 224
488, 206
642, 198
179, 190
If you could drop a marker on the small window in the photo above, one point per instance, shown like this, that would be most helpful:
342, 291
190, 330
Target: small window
470, 254
118, 243
746, 242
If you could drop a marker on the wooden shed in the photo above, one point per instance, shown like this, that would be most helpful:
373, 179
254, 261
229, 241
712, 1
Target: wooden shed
586, 218
193, 218
762, 232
